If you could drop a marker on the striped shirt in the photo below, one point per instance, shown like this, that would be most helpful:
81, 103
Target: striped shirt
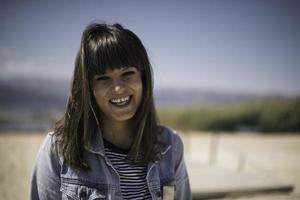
132, 174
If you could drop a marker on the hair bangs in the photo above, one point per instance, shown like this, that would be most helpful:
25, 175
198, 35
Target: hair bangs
112, 51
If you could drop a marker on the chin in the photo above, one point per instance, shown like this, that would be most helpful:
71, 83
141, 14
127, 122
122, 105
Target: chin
123, 118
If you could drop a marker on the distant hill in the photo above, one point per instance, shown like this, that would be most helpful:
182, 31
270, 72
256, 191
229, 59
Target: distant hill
38, 94
166, 97
34, 101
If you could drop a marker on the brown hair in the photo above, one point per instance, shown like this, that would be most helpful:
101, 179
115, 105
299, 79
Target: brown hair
106, 46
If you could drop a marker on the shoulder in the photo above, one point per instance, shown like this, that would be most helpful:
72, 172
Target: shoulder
169, 137
49, 148
49, 141
168, 134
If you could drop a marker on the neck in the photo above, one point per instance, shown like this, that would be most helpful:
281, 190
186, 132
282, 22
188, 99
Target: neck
118, 133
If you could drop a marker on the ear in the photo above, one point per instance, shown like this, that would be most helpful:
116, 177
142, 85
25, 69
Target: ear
94, 92
91, 86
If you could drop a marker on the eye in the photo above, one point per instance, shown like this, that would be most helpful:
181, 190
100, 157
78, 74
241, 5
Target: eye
128, 73
102, 78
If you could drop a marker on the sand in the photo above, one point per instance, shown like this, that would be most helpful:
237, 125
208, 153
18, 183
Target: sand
254, 153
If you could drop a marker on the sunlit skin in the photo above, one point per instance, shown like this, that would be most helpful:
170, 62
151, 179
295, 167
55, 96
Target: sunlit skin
118, 93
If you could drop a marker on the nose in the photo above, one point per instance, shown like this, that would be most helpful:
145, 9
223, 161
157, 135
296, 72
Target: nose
117, 85
117, 88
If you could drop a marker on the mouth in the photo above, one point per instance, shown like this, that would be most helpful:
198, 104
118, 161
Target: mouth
121, 101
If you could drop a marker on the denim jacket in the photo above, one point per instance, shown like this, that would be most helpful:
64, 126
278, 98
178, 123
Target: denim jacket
53, 179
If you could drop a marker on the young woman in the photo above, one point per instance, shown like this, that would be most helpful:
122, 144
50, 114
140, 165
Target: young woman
109, 145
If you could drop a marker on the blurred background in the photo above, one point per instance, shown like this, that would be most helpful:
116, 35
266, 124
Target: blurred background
226, 76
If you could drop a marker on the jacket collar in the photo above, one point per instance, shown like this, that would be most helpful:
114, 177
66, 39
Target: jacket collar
96, 145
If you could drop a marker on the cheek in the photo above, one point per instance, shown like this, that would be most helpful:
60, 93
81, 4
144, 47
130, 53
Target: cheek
99, 90
98, 100
99, 97
139, 90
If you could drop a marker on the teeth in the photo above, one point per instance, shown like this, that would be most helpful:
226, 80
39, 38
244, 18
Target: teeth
120, 100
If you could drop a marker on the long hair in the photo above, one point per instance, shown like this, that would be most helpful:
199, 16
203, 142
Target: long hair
105, 47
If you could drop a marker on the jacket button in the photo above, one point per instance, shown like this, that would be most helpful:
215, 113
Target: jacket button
118, 193
158, 194
82, 193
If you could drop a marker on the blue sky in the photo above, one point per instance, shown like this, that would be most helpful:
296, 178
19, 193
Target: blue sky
236, 46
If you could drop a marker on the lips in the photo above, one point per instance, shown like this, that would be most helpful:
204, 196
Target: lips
121, 101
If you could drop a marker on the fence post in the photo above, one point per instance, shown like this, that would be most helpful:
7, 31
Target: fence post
213, 148
241, 162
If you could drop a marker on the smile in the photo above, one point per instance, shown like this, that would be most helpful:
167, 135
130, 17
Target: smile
120, 101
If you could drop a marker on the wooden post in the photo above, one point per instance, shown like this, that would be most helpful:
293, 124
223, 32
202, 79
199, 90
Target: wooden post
241, 162
213, 151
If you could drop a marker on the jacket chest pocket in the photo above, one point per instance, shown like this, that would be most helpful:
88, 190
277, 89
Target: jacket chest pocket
80, 191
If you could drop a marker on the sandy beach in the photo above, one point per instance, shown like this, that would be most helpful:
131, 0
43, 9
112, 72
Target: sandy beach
263, 155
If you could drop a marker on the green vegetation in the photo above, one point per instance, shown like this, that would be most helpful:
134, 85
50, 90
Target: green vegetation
267, 115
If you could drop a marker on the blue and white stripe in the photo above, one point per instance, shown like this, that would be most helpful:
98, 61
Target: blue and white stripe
132, 174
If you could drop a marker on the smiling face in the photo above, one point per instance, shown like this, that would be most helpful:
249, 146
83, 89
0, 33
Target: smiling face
118, 93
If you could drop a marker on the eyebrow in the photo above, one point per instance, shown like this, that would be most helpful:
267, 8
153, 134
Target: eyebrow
121, 69
126, 68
